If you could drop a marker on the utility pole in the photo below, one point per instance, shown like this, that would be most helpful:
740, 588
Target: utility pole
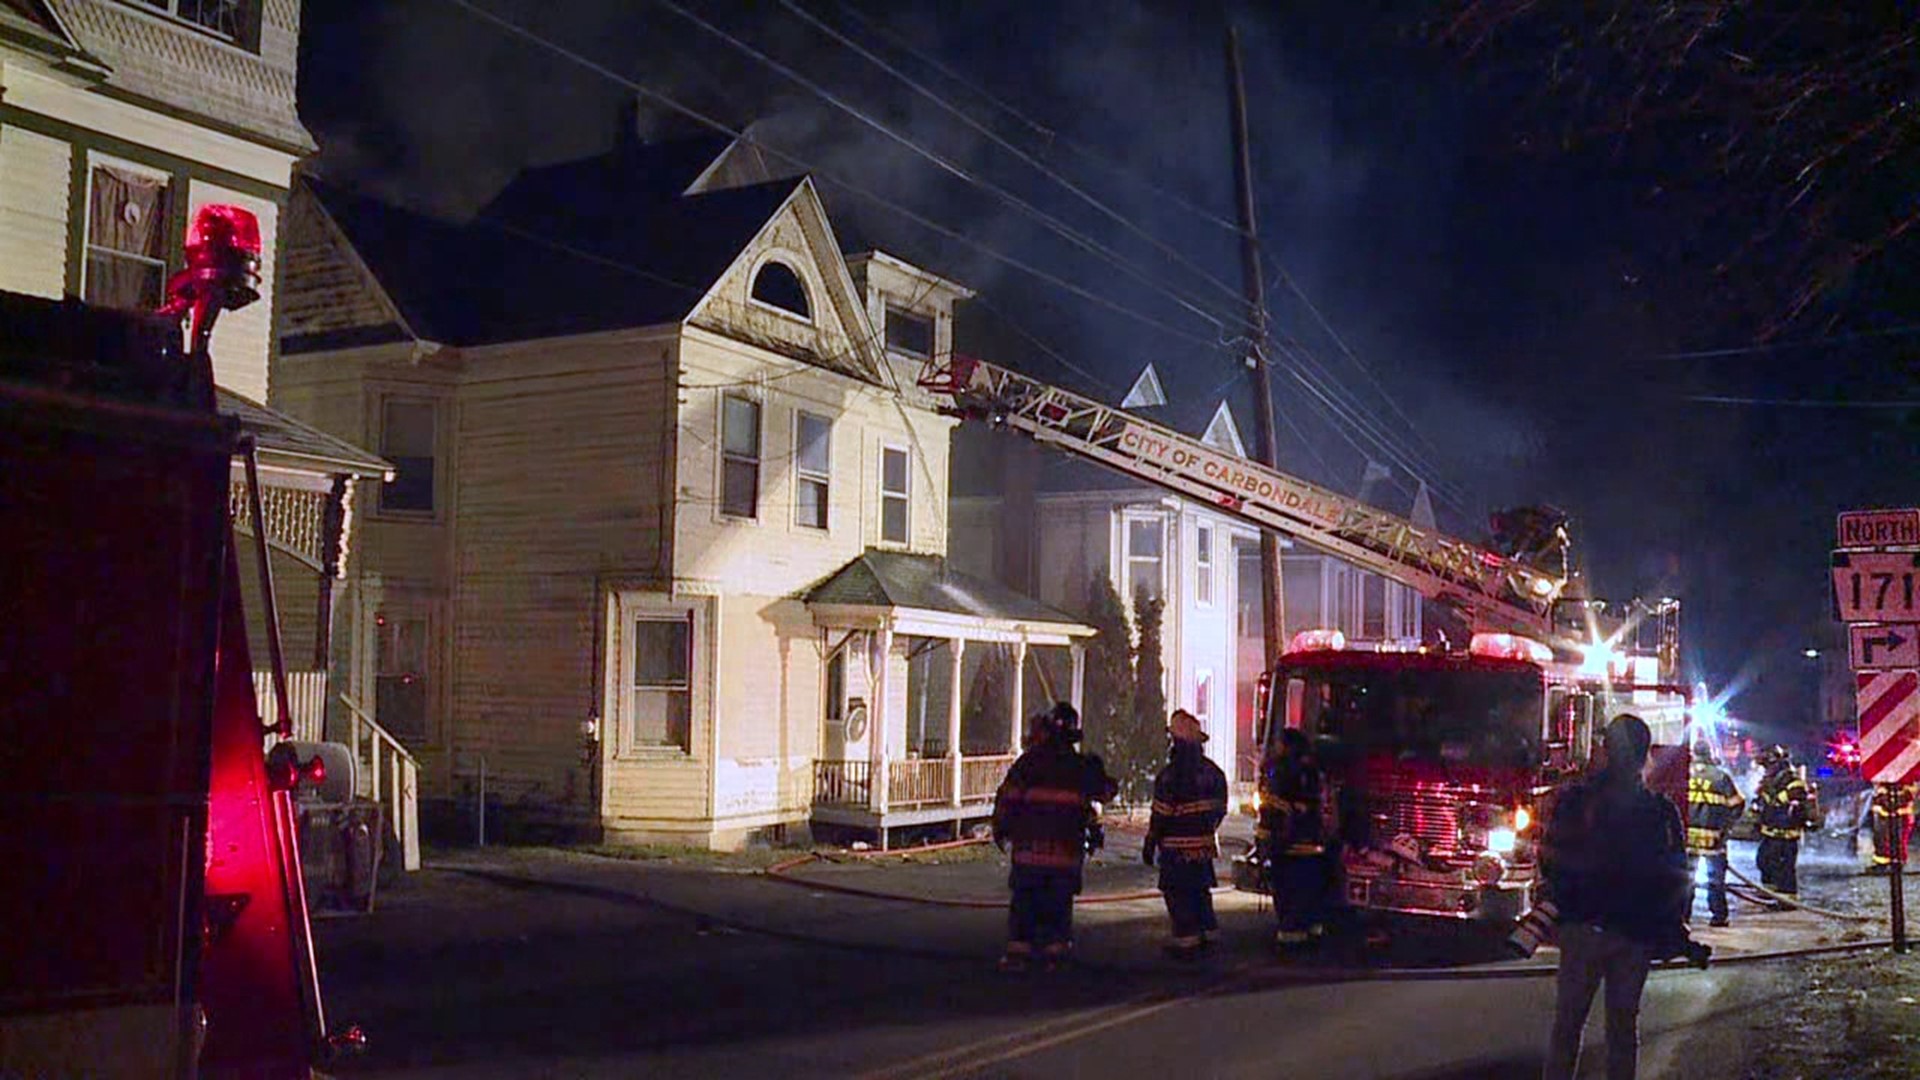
1273, 621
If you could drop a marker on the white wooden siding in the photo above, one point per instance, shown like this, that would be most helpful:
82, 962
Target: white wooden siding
34, 175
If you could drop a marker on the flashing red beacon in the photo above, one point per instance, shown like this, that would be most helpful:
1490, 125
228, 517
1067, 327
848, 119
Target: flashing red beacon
222, 271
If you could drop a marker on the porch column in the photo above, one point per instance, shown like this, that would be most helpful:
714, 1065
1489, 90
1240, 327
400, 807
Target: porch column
1079, 653
958, 646
881, 723
1019, 695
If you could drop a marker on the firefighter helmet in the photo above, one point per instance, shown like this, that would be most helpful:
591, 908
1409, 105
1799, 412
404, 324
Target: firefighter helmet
1776, 754
1066, 721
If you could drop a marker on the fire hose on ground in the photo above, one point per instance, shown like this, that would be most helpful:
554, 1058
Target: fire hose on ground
1781, 898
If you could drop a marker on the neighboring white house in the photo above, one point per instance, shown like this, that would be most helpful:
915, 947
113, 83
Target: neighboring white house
665, 552
1088, 522
119, 120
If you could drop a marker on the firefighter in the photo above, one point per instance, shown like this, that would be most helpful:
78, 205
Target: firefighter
1291, 826
1614, 857
1892, 824
1189, 802
1040, 814
1785, 806
1712, 805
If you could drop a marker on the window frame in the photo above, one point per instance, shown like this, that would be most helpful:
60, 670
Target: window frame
788, 261
803, 476
1204, 584
626, 746
906, 314
904, 495
724, 456
247, 39
433, 511
1128, 519
399, 607
173, 231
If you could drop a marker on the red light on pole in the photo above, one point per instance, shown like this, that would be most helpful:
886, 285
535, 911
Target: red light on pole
222, 271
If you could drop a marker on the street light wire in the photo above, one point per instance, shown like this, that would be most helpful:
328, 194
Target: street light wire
1039, 166
852, 188
953, 168
1049, 134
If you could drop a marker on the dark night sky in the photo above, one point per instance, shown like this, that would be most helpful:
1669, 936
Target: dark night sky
1519, 307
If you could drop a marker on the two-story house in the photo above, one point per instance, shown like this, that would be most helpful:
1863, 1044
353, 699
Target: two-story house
1058, 525
665, 554
119, 120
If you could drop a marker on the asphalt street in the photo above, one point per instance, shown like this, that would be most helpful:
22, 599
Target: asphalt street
542, 964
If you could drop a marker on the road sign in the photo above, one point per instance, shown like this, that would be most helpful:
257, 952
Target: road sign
1876, 586
1877, 647
1889, 703
1879, 528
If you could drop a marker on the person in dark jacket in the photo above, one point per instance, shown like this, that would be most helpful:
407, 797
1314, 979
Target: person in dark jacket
1189, 802
1041, 815
1291, 831
1892, 811
1785, 805
1615, 862
1712, 805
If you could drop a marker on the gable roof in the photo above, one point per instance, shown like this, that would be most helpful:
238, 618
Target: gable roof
1223, 434
895, 579
595, 260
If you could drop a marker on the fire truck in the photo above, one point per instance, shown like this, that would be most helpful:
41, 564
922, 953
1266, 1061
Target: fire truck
1438, 760
154, 905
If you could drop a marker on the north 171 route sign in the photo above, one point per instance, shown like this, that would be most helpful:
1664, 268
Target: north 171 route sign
1878, 528
1876, 586
1889, 726
1877, 648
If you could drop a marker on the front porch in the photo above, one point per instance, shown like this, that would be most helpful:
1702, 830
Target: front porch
929, 674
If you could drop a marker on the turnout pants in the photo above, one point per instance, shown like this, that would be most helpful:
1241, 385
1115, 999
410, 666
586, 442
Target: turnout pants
1716, 864
1779, 863
1590, 957
1187, 887
1300, 892
1040, 914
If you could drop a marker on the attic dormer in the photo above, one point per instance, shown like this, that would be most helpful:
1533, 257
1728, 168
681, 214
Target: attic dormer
911, 309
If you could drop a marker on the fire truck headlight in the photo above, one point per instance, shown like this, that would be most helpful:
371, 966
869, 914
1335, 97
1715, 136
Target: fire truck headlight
1522, 818
1502, 841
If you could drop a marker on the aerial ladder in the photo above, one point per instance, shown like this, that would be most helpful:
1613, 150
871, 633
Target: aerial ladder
1493, 591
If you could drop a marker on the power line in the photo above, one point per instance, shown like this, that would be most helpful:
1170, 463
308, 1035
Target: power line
1050, 222
1781, 346
852, 188
954, 111
1050, 135
1801, 403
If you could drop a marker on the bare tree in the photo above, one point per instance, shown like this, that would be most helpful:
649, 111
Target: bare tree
1788, 133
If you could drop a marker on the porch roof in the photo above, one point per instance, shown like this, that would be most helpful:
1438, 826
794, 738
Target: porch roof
925, 589
300, 443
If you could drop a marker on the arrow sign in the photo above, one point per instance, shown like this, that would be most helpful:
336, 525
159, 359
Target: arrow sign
1880, 647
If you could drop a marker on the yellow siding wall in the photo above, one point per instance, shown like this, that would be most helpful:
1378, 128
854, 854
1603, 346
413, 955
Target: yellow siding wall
768, 722
560, 453
244, 338
34, 175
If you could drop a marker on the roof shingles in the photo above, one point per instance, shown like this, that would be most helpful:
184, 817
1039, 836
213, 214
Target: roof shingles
893, 579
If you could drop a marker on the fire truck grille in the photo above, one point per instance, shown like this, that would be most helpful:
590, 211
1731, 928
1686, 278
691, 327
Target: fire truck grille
1427, 813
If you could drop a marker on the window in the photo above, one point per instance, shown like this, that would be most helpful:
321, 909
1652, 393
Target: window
1144, 544
129, 226
837, 686
895, 494
812, 462
401, 698
659, 712
740, 457
407, 440
230, 19
908, 333
1203, 565
1373, 608
1203, 696
776, 285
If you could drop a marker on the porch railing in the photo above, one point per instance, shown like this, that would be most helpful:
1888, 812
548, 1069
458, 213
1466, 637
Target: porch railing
843, 783
916, 782
912, 783
306, 693
393, 778
980, 776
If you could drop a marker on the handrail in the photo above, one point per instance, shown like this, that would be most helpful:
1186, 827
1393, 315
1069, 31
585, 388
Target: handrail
403, 789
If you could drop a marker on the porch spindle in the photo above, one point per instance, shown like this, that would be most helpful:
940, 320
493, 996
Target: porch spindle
958, 647
1019, 696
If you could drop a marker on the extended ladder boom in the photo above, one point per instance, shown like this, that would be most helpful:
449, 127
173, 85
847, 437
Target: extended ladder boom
1492, 589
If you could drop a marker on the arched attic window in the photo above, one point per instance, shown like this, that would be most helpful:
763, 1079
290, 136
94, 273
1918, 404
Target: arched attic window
778, 285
